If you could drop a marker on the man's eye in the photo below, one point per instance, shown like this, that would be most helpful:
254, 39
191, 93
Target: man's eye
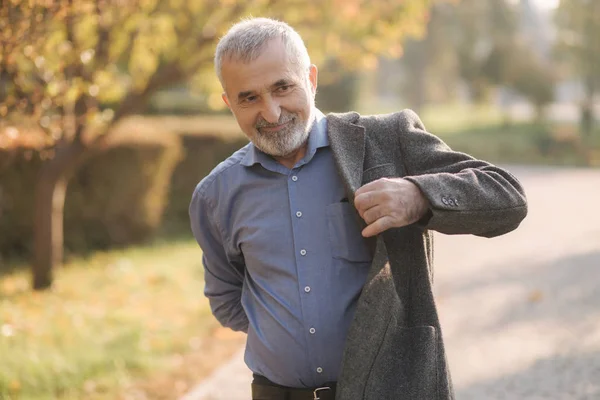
284, 88
251, 99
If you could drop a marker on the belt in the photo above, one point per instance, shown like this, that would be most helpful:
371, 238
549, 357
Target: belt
263, 389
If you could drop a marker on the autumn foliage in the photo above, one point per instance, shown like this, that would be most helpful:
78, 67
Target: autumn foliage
76, 68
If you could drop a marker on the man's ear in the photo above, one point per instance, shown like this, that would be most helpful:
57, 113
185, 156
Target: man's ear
225, 99
313, 74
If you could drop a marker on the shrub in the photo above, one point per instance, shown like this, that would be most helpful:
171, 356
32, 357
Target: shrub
207, 141
116, 197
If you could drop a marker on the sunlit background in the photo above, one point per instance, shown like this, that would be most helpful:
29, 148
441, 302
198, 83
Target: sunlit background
110, 114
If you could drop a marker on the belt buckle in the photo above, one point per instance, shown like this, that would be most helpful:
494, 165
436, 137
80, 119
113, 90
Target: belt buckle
317, 390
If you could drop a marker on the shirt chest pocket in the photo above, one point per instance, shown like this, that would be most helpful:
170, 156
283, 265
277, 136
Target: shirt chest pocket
345, 234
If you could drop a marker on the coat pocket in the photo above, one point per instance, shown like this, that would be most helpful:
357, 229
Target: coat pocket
406, 366
379, 171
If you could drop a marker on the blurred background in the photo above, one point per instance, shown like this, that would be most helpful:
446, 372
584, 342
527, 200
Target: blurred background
110, 114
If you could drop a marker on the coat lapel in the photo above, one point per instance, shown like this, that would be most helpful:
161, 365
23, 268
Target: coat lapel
347, 142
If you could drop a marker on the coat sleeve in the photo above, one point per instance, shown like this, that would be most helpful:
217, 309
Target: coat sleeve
223, 280
466, 195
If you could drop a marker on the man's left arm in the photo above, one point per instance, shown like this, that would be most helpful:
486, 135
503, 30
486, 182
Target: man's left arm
443, 190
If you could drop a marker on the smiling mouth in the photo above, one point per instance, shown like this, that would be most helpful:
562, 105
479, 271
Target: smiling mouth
275, 128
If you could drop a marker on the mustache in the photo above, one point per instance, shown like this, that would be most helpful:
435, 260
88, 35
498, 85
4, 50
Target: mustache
283, 119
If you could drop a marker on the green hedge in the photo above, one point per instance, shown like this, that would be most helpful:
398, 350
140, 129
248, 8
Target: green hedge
206, 142
143, 180
117, 196
527, 143
17, 179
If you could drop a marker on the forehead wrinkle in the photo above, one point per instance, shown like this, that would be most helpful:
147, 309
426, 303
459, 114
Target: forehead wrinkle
252, 75
285, 80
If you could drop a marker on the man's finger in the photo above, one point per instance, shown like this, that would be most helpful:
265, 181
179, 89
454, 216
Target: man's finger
368, 200
374, 213
377, 227
375, 185
364, 201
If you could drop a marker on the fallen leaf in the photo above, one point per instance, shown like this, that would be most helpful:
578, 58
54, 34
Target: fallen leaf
536, 296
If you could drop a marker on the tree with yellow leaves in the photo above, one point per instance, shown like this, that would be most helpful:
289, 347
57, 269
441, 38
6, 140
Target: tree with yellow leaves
63, 61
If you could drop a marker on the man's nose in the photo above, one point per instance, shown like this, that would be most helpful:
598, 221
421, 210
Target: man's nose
271, 111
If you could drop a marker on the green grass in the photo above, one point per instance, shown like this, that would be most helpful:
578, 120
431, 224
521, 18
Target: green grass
484, 132
111, 320
526, 143
118, 318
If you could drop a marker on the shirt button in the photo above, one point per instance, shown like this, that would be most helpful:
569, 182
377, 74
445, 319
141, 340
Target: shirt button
294, 178
312, 331
307, 289
319, 370
303, 252
298, 214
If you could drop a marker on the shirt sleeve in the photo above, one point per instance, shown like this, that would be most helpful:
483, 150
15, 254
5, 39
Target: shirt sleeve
223, 277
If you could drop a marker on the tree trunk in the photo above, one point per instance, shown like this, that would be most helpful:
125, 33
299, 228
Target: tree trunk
587, 118
587, 110
51, 187
540, 115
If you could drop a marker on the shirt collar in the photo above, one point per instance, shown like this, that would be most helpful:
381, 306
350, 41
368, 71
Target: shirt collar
317, 138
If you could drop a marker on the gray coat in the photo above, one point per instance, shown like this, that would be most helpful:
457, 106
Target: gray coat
394, 349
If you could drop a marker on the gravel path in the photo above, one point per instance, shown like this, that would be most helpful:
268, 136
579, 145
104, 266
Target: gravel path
520, 313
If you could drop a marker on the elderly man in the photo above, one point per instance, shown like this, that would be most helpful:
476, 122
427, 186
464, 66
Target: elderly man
317, 234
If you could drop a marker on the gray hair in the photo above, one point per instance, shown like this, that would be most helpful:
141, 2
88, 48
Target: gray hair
245, 41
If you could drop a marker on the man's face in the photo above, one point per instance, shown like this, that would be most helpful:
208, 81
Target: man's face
271, 99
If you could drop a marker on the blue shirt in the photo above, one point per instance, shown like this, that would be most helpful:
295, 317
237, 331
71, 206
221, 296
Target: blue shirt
284, 258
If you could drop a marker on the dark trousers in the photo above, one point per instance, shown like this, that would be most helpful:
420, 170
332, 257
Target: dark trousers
264, 389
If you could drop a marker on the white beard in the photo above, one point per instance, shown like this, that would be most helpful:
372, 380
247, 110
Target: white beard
287, 140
